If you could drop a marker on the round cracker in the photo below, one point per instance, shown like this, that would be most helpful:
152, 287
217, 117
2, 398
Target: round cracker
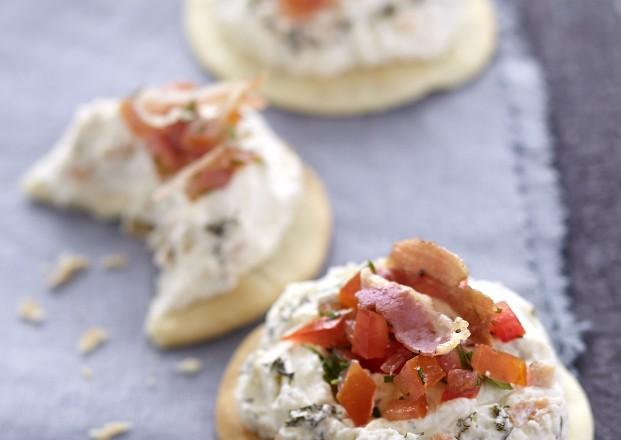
229, 425
366, 90
299, 256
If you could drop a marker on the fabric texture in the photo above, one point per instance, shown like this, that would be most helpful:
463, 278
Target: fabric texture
469, 169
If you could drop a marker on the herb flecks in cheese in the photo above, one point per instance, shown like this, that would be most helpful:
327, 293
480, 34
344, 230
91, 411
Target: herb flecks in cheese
306, 408
342, 36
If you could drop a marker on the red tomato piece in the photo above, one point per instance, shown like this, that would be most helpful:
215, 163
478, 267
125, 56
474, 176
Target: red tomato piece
324, 332
404, 409
505, 325
356, 394
370, 335
396, 357
347, 294
449, 361
417, 375
461, 383
301, 9
499, 365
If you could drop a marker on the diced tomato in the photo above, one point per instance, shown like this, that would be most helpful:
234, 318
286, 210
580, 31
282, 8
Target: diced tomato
301, 9
417, 375
324, 332
347, 294
461, 383
499, 365
404, 409
397, 356
356, 394
449, 361
370, 335
541, 374
505, 325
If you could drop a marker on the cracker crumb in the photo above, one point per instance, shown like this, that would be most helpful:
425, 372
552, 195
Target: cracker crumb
67, 267
110, 430
31, 311
92, 339
190, 366
86, 373
114, 261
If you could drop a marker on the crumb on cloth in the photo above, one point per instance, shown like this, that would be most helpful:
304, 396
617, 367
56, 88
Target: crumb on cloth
189, 366
67, 267
86, 373
31, 311
114, 261
92, 339
110, 430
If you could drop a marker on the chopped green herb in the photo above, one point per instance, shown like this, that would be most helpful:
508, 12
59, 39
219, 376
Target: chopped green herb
278, 367
421, 374
371, 266
376, 412
465, 357
231, 132
311, 415
333, 365
465, 423
191, 107
498, 384
389, 379
330, 314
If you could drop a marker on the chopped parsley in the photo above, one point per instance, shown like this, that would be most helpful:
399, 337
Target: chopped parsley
421, 374
498, 384
278, 367
371, 266
389, 379
333, 365
376, 412
465, 423
310, 416
330, 314
465, 358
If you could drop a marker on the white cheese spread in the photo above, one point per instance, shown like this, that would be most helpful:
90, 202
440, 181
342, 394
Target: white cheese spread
204, 246
98, 165
344, 35
302, 406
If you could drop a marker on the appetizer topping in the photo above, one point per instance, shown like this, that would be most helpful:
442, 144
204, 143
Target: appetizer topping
434, 271
541, 374
324, 332
299, 10
498, 365
218, 170
370, 335
415, 323
505, 325
461, 383
180, 123
393, 343
356, 394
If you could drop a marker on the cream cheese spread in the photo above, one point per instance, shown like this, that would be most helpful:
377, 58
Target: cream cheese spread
298, 404
344, 35
204, 246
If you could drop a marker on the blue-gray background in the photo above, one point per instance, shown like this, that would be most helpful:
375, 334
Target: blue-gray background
468, 169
